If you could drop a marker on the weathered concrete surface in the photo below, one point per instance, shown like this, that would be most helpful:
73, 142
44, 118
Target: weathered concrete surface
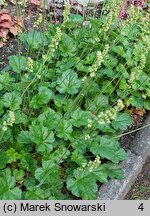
117, 189
141, 143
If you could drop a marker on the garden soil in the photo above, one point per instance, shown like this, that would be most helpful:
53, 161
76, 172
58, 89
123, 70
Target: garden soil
140, 190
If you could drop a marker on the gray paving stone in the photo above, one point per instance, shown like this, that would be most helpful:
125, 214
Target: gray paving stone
141, 143
117, 189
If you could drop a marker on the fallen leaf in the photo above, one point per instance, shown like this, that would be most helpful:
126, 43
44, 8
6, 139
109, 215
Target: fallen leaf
14, 30
139, 112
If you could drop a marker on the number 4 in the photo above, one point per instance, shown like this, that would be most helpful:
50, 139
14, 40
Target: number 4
141, 207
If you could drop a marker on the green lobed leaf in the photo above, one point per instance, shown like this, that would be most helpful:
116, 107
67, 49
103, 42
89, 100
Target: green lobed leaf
68, 82
8, 189
108, 148
80, 117
122, 121
82, 185
12, 100
17, 63
3, 159
43, 97
64, 129
49, 174
42, 137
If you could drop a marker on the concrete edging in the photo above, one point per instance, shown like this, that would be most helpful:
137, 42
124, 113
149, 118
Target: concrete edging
137, 154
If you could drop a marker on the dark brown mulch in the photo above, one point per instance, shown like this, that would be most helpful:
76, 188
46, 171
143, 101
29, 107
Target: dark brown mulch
141, 188
127, 140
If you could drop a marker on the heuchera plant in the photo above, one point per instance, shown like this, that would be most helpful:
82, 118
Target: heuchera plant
8, 26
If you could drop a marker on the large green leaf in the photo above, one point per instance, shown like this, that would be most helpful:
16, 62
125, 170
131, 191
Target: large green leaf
68, 46
43, 97
82, 184
8, 189
100, 174
49, 118
80, 117
78, 157
42, 137
49, 174
122, 121
3, 159
108, 148
33, 39
24, 137
12, 100
68, 82
17, 63
64, 129
59, 155
33, 194
5, 81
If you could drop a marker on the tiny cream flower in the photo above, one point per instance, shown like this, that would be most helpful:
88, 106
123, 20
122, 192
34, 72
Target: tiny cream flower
87, 137
4, 127
84, 78
84, 165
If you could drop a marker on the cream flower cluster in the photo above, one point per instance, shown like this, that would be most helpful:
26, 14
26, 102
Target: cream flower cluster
9, 122
133, 77
115, 8
92, 164
99, 59
135, 74
55, 41
106, 117
38, 21
96, 64
29, 64
66, 12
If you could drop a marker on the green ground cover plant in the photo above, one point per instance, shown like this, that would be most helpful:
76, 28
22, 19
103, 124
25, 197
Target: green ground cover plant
66, 101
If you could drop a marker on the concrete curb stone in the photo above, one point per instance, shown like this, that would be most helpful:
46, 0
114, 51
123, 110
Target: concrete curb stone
141, 143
